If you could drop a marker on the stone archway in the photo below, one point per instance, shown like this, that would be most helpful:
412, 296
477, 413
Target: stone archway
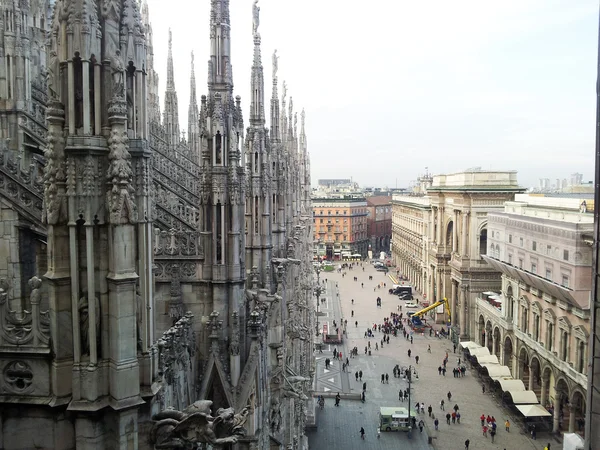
577, 416
535, 380
481, 331
496, 342
508, 354
547, 379
488, 336
561, 407
524, 372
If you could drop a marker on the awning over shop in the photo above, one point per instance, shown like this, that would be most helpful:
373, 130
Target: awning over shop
510, 384
533, 410
496, 370
482, 351
469, 344
487, 359
523, 397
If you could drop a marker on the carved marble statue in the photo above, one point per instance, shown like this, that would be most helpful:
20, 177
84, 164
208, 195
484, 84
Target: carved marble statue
255, 17
275, 415
195, 425
118, 74
52, 75
84, 322
275, 63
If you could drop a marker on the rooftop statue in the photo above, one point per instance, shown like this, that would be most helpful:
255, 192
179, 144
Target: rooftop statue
195, 425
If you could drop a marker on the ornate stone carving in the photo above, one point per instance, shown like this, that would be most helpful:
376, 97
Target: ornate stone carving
18, 377
275, 415
195, 425
234, 345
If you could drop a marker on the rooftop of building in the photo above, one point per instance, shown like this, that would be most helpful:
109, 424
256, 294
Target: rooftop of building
575, 211
477, 180
379, 200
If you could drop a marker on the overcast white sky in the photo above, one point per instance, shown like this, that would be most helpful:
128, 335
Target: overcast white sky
393, 86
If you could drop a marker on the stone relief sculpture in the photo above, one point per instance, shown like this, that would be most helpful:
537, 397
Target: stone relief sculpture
195, 425
84, 322
117, 70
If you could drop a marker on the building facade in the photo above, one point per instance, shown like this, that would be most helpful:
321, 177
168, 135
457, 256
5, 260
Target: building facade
340, 227
151, 270
456, 237
411, 219
540, 328
379, 223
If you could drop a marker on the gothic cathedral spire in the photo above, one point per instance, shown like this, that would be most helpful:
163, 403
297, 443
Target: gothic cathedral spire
259, 198
171, 112
193, 118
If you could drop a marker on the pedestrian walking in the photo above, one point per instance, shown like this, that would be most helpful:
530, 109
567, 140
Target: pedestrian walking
360, 376
429, 348
409, 352
455, 407
337, 399
365, 386
362, 433
457, 417
507, 426
356, 375
492, 434
547, 447
482, 418
448, 417
387, 378
467, 442
382, 378
483, 389
485, 430
421, 425
429, 410
449, 395
436, 423
442, 404
440, 370
417, 359
453, 417
401, 396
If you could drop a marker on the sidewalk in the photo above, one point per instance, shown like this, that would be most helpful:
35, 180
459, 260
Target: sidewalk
336, 426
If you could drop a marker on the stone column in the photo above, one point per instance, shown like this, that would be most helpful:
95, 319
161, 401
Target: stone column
97, 99
465, 225
453, 303
123, 367
544, 395
71, 96
556, 418
487, 338
438, 284
85, 68
439, 227
455, 232
463, 311
571, 419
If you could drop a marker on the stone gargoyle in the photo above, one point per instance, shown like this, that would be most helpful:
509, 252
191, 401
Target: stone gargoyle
194, 425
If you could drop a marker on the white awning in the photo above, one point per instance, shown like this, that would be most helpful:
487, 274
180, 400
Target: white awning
469, 344
487, 359
496, 370
572, 441
510, 384
523, 397
533, 410
481, 351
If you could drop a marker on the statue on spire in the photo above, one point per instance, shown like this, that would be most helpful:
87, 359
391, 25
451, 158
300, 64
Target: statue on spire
275, 63
284, 89
255, 17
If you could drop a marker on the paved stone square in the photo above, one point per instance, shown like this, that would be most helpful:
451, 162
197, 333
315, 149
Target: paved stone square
338, 427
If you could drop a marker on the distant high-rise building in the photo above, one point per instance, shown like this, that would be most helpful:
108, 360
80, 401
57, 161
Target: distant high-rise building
576, 179
544, 183
557, 185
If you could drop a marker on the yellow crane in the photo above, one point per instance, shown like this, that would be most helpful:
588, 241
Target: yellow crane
416, 317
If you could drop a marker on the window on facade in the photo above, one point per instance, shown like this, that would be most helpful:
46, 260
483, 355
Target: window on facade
549, 273
510, 238
520, 263
321, 220
581, 364
337, 213
565, 281
566, 255
510, 259
521, 242
548, 249
550, 336
328, 213
534, 246
493, 233
533, 268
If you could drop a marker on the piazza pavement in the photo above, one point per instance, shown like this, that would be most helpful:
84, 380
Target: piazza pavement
338, 427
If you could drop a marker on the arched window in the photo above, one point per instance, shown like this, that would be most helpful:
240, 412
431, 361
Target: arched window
483, 242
